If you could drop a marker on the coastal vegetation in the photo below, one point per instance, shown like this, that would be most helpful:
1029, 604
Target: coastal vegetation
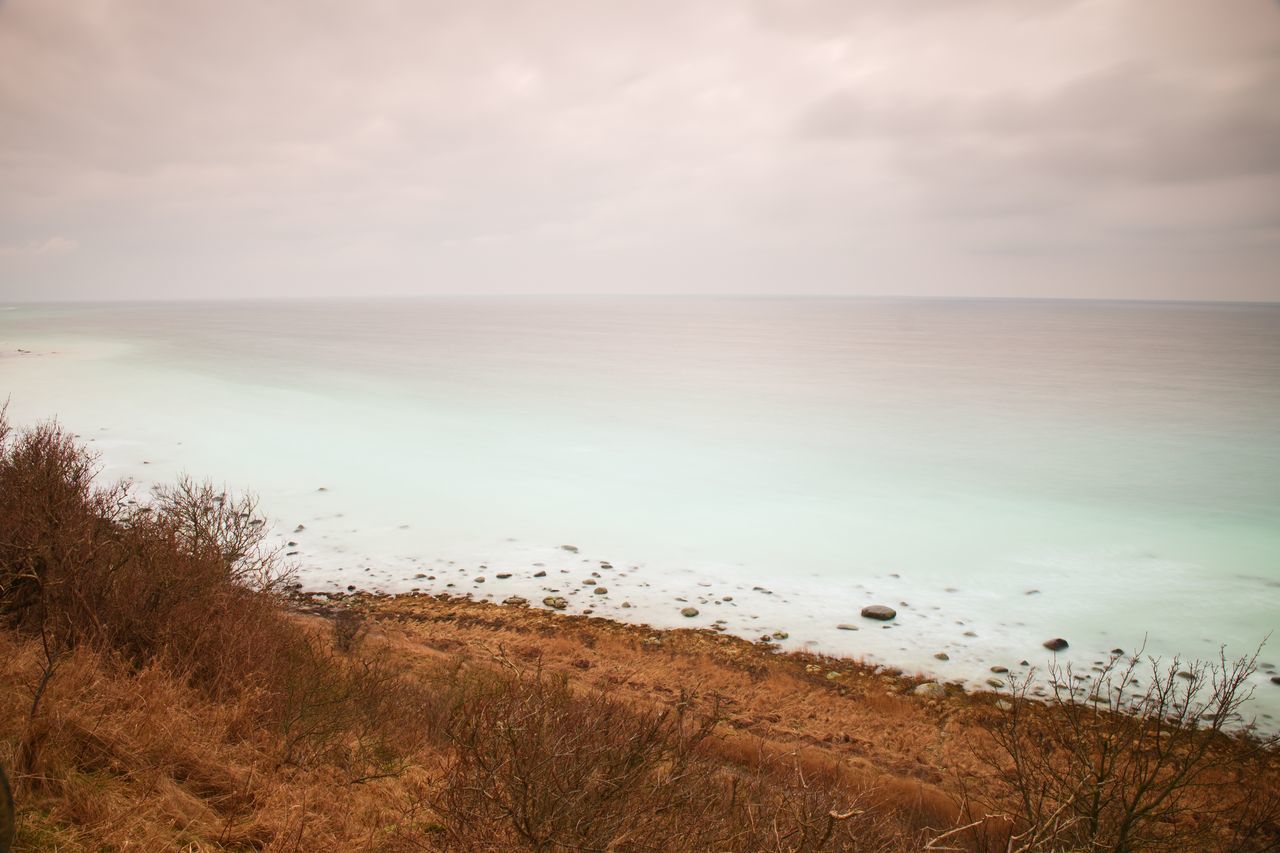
169, 686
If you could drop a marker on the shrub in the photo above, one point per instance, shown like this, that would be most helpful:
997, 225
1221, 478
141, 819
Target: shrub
1112, 764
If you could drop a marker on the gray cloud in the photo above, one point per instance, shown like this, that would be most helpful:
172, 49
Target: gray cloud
914, 146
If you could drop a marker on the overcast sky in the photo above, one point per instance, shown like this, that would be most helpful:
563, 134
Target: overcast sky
1093, 148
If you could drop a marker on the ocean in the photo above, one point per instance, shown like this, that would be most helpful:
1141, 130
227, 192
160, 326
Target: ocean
999, 471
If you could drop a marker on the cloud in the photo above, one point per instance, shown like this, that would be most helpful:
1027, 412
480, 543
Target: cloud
320, 147
50, 247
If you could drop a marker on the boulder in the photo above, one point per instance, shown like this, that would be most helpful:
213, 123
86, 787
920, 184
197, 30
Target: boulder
689, 612
930, 690
942, 656
556, 602
1057, 644
879, 611
600, 590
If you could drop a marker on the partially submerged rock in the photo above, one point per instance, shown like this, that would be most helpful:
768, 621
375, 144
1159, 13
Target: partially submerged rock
689, 612
556, 602
1057, 644
881, 612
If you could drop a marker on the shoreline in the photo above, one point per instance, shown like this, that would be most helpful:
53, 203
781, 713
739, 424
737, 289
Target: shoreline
840, 672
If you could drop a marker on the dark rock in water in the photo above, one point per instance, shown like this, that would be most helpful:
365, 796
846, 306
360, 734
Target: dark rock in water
995, 682
351, 588
479, 579
1117, 651
1032, 592
502, 575
299, 528
998, 670
572, 549
557, 602
322, 489
689, 612
516, 600
291, 544
419, 576
626, 604
879, 611
602, 590
780, 635
1057, 644
1024, 663
540, 574
1275, 679
589, 582
605, 564
971, 633
942, 656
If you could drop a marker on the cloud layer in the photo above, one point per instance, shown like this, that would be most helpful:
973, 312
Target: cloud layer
995, 147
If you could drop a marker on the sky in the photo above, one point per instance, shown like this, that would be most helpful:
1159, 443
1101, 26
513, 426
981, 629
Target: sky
300, 148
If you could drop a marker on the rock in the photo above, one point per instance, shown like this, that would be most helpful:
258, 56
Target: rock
589, 582
1275, 679
419, 576
689, 612
995, 682
600, 590
605, 564
351, 588
502, 575
291, 544
930, 690
517, 600
1117, 651
878, 611
844, 626
572, 549
1032, 592
479, 579
299, 528
727, 598
1057, 644
780, 635
626, 604
540, 574
999, 669
942, 656
556, 602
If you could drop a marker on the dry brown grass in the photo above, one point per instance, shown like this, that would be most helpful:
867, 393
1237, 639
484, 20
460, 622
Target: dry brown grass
167, 695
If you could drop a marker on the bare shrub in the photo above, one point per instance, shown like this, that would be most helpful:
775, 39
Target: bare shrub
536, 766
1138, 756
349, 630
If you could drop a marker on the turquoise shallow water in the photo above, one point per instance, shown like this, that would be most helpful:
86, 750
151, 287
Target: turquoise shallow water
1123, 459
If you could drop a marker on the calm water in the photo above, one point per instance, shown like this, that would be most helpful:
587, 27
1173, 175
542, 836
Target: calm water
1121, 459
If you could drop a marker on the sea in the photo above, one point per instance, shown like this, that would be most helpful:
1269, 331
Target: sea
1000, 472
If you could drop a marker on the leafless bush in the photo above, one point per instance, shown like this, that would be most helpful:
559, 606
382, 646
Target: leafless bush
1138, 756
349, 630
539, 767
